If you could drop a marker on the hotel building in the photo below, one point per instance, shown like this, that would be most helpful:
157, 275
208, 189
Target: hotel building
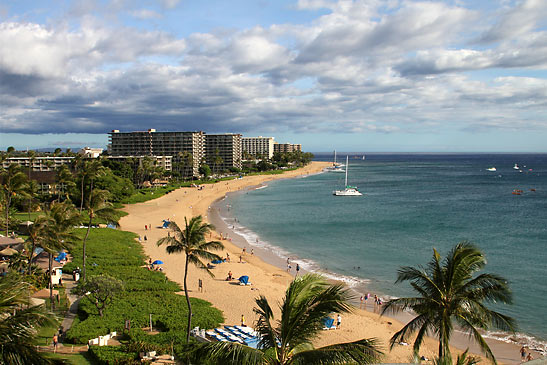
208, 148
256, 146
287, 147
153, 143
226, 146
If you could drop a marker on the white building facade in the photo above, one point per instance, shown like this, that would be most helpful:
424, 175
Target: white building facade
256, 146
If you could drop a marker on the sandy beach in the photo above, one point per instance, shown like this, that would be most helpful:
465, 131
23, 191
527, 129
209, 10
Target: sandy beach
268, 280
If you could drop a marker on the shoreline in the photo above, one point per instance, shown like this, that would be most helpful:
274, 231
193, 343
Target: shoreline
505, 352
269, 279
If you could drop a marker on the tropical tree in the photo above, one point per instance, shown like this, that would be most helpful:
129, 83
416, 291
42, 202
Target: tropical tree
13, 183
191, 241
35, 236
31, 191
57, 233
65, 181
97, 207
449, 292
308, 300
100, 290
19, 323
89, 170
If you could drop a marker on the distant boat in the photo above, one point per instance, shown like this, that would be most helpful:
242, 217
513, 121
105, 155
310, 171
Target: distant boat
516, 167
491, 169
336, 167
363, 157
349, 190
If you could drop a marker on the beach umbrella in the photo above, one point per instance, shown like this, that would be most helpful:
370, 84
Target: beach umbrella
8, 251
244, 279
61, 256
157, 262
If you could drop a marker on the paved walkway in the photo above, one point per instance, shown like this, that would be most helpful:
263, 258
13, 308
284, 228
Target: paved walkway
73, 301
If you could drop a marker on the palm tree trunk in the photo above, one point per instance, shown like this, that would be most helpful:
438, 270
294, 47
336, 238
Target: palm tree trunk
83, 245
187, 302
30, 257
51, 301
8, 202
88, 228
82, 196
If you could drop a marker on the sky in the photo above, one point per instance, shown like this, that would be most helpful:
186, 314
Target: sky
371, 75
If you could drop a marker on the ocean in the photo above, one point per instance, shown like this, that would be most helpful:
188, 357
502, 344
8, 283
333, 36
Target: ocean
412, 203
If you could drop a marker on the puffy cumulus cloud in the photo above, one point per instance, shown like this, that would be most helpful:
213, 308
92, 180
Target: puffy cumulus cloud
517, 21
364, 67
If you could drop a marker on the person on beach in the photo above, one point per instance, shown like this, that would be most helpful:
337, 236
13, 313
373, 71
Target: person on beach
145, 227
338, 321
244, 250
146, 239
200, 285
529, 357
230, 277
523, 353
227, 257
240, 261
362, 300
252, 251
297, 269
243, 321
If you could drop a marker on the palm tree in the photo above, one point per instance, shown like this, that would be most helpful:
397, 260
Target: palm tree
35, 236
191, 241
18, 326
13, 183
97, 207
308, 300
89, 170
449, 293
65, 180
57, 233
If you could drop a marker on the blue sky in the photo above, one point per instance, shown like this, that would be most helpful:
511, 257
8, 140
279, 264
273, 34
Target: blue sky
390, 75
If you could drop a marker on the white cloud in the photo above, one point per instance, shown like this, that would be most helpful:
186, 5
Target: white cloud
366, 66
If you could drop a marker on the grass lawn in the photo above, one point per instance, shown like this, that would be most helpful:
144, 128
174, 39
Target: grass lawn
74, 359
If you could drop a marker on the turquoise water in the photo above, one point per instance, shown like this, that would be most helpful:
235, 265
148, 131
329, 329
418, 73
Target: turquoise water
411, 204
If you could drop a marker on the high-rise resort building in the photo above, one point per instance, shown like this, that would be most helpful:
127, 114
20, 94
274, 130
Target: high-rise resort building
223, 151
258, 146
287, 147
186, 148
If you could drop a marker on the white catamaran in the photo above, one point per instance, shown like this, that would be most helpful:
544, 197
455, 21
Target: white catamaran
349, 190
336, 167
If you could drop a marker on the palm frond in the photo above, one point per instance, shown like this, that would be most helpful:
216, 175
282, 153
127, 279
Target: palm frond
365, 351
268, 334
223, 353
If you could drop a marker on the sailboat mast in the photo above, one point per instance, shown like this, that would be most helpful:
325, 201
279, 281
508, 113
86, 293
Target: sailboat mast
347, 165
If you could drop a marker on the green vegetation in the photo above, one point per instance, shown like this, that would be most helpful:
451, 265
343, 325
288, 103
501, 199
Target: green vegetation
117, 254
448, 292
308, 300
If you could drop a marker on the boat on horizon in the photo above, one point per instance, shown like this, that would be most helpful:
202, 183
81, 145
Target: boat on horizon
491, 169
516, 167
349, 190
336, 167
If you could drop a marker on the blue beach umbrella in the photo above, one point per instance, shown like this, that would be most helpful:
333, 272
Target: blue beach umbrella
157, 262
244, 279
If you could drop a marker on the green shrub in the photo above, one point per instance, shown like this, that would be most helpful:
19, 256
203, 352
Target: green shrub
108, 355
